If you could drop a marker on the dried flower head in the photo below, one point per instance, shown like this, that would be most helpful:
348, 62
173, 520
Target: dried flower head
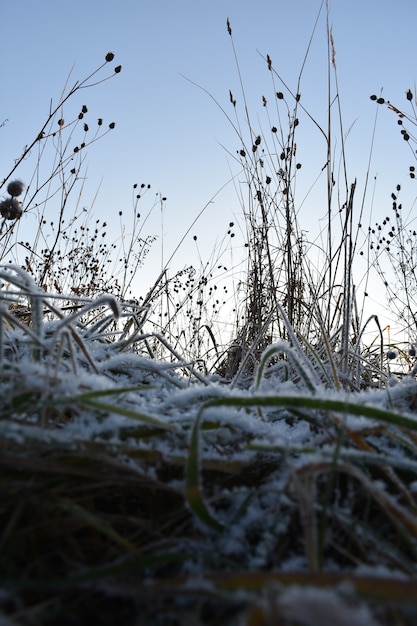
15, 188
109, 57
11, 209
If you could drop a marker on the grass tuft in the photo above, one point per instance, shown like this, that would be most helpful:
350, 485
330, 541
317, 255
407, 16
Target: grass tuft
158, 471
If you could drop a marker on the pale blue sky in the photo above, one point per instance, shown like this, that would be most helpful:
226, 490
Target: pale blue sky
168, 132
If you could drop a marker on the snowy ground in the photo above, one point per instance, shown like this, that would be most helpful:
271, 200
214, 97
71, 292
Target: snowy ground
189, 496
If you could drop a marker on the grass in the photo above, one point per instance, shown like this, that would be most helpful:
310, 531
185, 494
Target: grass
157, 472
130, 490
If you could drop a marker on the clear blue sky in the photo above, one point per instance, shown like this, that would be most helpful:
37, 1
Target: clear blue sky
168, 132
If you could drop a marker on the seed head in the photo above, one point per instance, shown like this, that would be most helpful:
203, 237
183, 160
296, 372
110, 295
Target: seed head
109, 57
15, 188
11, 209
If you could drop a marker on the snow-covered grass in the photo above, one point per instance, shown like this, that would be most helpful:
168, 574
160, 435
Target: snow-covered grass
157, 469
147, 492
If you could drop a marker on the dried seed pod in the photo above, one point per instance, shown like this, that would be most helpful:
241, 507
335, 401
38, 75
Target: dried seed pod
11, 209
109, 57
15, 188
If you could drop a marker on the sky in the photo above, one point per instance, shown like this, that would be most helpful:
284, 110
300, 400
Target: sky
172, 135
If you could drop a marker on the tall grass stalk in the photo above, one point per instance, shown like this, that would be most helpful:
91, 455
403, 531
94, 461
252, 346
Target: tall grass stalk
145, 480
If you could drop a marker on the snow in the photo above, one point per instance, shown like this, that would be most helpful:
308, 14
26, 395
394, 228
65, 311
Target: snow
98, 392
313, 607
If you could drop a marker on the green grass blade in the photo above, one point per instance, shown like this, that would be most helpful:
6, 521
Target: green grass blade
192, 481
120, 410
343, 407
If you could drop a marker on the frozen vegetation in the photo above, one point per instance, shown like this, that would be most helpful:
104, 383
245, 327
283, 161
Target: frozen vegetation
151, 490
236, 453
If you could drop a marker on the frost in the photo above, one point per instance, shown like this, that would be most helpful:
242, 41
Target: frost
314, 607
271, 478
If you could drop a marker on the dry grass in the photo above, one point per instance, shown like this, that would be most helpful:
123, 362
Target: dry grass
139, 490
154, 472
